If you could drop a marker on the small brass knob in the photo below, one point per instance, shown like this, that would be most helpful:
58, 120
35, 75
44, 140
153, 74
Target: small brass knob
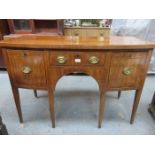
127, 71
26, 70
24, 54
101, 34
93, 60
61, 59
76, 34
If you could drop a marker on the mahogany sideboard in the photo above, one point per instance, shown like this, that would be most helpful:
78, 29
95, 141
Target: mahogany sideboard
38, 62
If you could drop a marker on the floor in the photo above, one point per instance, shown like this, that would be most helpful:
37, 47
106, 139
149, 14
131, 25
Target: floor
76, 108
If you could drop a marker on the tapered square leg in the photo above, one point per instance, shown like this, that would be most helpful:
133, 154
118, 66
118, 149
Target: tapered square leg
101, 108
135, 105
51, 102
17, 102
119, 94
35, 93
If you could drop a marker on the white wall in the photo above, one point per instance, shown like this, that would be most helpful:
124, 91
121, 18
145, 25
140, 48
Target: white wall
140, 28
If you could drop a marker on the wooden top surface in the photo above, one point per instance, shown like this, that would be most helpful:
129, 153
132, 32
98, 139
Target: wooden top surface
69, 42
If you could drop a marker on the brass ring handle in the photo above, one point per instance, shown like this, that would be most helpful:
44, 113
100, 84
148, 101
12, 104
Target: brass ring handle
61, 59
127, 71
26, 70
93, 60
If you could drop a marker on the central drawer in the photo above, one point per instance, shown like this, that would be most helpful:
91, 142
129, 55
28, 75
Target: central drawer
64, 58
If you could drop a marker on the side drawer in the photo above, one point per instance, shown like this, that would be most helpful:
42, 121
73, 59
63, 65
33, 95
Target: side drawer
127, 69
27, 68
64, 58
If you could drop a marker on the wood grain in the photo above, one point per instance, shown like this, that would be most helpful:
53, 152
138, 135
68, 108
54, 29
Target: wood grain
134, 61
69, 42
35, 60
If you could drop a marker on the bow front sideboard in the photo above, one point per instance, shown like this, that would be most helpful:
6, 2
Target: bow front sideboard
116, 63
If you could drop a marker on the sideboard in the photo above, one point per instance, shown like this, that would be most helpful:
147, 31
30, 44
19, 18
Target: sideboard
38, 62
87, 31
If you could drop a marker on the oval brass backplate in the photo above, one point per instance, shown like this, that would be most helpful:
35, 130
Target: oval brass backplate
127, 71
26, 70
61, 59
93, 60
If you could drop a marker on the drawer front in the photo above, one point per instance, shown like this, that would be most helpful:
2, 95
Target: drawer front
127, 69
104, 33
97, 32
78, 32
28, 68
92, 32
77, 58
67, 32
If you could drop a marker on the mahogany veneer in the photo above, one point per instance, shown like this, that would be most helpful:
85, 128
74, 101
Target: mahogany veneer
117, 63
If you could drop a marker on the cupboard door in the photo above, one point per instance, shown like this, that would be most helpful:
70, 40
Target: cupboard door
21, 26
127, 69
28, 68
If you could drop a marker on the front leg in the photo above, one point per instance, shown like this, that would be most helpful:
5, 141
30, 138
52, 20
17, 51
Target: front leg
135, 105
119, 94
17, 102
101, 108
51, 102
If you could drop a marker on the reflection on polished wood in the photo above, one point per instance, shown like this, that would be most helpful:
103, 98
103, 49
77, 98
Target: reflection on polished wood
73, 42
116, 63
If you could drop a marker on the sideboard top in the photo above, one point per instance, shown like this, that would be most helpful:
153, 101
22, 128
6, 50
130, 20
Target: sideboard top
70, 42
